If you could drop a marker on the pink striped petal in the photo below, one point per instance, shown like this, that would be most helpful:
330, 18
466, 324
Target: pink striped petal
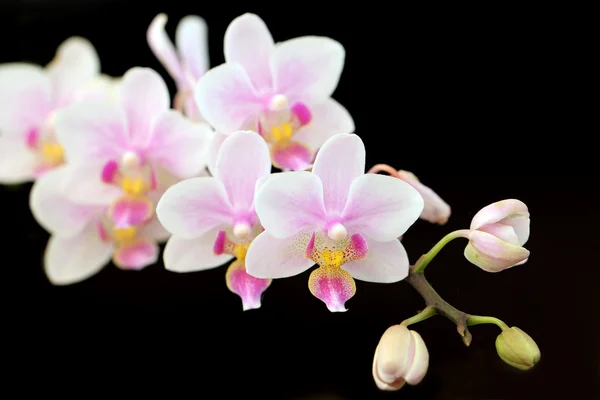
227, 98
192, 44
381, 207
242, 160
136, 255
143, 96
291, 155
338, 163
291, 202
333, 286
195, 206
249, 43
246, 286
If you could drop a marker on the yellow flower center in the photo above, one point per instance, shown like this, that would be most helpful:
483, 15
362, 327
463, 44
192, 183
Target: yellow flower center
134, 185
52, 153
240, 251
281, 132
332, 258
125, 234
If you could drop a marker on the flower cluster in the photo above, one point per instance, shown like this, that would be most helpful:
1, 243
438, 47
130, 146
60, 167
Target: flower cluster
119, 167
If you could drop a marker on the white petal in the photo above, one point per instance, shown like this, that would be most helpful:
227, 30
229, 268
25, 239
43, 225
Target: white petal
75, 259
269, 257
192, 44
17, 161
189, 255
385, 263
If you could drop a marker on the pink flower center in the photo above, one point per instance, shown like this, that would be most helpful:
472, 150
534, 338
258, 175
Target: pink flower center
279, 122
50, 154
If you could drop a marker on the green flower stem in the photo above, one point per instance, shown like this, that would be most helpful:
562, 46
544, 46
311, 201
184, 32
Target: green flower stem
428, 312
478, 319
426, 258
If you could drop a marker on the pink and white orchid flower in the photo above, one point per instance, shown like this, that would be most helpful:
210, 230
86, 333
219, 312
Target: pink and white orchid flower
282, 91
186, 63
85, 236
338, 217
212, 219
30, 96
436, 210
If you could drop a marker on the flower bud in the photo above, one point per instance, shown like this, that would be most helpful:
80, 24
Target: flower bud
518, 349
498, 233
436, 210
401, 357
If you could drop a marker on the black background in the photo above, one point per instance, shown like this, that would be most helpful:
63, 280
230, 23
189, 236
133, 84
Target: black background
476, 102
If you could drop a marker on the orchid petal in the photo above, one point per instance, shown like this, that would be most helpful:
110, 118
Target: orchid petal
25, 95
53, 211
144, 95
99, 88
338, 163
328, 118
83, 184
179, 145
493, 254
226, 97
92, 131
381, 207
76, 62
193, 207
246, 286
333, 286
501, 231
192, 44
496, 212
270, 257
190, 255
214, 145
435, 209
290, 202
291, 155
243, 159
386, 262
137, 255
307, 68
74, 259
249, 43
163, 48
17, 161
128, 212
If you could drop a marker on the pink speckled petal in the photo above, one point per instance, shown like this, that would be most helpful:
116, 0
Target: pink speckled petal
227, 99
163, 48
333, 286
179, 145
307, 68
18, 163
130, 211
246, 286
384, 263
192, 207
136, 255
270, 257
75, 64
25, 98
291, 155
492, 254
338, 163
249, 43
74, 259
328, 118
192, 44
496, 212
92, 130
190, 255
144, 96
436, 210
291, 202
381, 207
56, 213
243, 159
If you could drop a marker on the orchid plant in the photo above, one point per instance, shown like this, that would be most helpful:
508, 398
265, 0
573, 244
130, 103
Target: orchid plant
119, 168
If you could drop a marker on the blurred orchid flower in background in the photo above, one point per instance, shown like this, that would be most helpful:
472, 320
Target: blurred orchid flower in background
187, 62
30, 96
213, 220
122, 156
338, 217
282, 91
436, 210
